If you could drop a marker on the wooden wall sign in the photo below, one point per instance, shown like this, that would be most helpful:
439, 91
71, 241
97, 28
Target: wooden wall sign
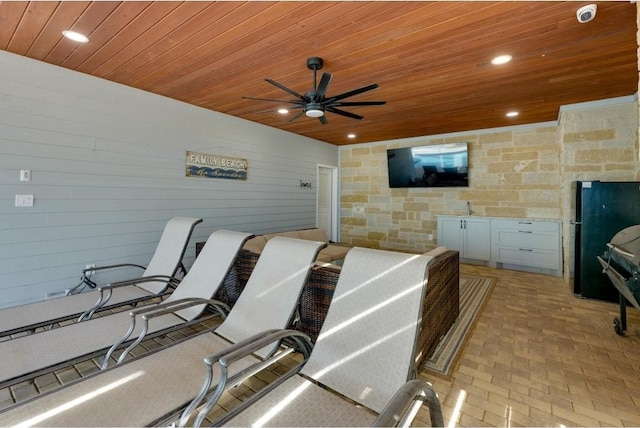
215, 166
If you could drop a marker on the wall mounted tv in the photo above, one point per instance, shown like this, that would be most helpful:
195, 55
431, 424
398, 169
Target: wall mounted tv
436, 165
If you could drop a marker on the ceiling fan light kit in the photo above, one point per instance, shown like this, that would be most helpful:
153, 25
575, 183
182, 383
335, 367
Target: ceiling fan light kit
314, 110
315, 103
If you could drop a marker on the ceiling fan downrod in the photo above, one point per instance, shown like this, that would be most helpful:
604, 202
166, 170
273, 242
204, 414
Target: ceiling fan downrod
315, 63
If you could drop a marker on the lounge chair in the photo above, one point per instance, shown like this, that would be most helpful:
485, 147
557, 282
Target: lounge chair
365, 352
27, 356
164, 264
141, 391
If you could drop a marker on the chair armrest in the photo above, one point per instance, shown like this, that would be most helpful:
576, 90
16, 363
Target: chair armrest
167, 307
402, 407
149, 312
233, 353
172, 282
86, 280
246, 347
97, 268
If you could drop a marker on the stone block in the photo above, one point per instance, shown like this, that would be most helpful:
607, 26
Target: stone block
595, 135
399, 215
505, 212
542, 180
510, 179
415, 206
496, 137
604, 156
354, 221
491, 195
354, 198
351, 163
513, 166
582, 168
548, 166
497, 151
361, 151
520, 155
377, 236
620, 167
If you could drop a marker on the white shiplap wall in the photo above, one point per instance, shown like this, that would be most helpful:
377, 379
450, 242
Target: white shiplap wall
108, 171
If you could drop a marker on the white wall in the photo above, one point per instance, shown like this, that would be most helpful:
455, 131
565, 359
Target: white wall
108, 171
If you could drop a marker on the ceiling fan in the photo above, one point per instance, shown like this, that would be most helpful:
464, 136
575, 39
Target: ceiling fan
315, 103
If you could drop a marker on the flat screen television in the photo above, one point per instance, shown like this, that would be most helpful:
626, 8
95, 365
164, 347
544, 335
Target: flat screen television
436, 165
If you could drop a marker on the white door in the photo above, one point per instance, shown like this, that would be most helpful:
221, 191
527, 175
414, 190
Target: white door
326, 215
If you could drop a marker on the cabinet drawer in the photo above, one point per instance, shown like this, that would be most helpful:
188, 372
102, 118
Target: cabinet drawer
526, 225
539, 259
526, 239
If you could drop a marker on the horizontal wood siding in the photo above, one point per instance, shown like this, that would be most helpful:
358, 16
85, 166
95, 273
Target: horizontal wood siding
108, 171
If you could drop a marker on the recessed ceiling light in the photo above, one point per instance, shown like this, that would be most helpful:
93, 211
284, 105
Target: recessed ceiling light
502, 59
351, 135
512, 114
283, 111
75, 36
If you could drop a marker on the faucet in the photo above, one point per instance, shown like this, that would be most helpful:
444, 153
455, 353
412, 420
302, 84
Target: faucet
469, 212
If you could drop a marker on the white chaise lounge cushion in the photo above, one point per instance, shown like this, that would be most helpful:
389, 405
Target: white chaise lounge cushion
33, 352
139, 392
165, 261
365, 350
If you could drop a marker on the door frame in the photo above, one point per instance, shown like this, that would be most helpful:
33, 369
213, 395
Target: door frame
334, 234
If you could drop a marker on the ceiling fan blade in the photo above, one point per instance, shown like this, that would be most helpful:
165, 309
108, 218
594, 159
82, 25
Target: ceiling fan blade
322, 86
354, 92
323, 120
355, 103
284, 88
344, 113
297, 115
274, 100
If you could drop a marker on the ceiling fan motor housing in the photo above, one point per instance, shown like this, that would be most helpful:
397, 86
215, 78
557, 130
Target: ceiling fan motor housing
314, 63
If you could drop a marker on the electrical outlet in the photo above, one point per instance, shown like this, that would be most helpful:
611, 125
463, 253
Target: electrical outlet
25, 175
90, 266
430, 237
24, 200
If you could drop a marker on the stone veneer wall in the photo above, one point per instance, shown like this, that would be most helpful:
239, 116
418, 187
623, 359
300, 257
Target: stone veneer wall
512, 173
522, 171
598, 143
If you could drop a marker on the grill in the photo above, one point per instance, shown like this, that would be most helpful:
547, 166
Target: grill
621, 262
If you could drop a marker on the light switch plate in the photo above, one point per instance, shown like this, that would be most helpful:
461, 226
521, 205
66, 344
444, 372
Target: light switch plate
24, 200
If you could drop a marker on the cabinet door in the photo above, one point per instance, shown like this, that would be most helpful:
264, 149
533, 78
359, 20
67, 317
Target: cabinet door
450, 233
477, 239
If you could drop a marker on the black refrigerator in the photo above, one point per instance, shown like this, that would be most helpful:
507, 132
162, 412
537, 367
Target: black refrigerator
602, 210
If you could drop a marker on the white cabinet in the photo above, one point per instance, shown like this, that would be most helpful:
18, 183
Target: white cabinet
527, 243
523, 244
468, 235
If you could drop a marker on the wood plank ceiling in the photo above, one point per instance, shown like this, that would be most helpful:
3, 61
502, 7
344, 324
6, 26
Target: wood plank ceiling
431, 59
